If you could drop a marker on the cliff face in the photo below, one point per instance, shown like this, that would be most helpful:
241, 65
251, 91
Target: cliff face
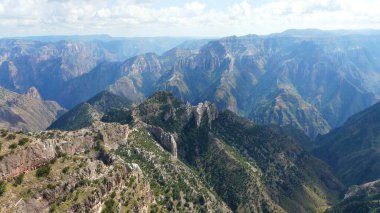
27, 112
45, 146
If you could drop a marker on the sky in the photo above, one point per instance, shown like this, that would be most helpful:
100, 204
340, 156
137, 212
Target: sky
207, 18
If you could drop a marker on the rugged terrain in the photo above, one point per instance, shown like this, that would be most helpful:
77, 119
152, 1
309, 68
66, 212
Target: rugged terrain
105, 167
48, 62
230, 153
353, 149
312, 82
360, 199
164, 155
27, 112
84, 114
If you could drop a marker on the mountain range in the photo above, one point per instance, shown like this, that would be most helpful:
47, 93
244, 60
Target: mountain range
287, 122
219, 152
313, 83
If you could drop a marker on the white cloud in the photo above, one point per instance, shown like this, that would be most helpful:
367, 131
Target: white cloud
194, 18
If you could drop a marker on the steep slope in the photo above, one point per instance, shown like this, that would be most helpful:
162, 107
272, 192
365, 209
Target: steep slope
84, 114
250, 167
46, 66
102, 168
313, 83
133, 78
323, 74
353, 149
27, 112
360, 199
48, 62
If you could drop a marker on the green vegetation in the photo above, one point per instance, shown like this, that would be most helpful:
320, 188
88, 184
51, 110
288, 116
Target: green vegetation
65, 170
174, 186
11, 136
12, 146
43, 171
3, 185
23, 141
352, 149
109, 206
19, 179
3, 133
86, 113
358, 204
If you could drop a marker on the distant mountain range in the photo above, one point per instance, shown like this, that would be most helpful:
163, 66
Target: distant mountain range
310, 79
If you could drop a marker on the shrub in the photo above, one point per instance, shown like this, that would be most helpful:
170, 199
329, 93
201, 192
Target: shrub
19, 179
3, 133
65, 170
113, 195
23, 141
11, 136
43, 171
109, 206
2, 187
13, 146
50, 186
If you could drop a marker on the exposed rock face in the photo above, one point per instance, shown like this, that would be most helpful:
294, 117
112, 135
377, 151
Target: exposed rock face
367, 189
166, 140
106, 166
26, 112
33, 93
94, 201
205, 109
40, 151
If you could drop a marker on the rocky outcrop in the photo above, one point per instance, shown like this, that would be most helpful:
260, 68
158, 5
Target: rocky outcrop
367, 189
33, 93
41, 150
205, 109
110, 179
166, 140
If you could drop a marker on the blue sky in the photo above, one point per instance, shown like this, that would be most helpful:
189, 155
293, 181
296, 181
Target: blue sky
209, 18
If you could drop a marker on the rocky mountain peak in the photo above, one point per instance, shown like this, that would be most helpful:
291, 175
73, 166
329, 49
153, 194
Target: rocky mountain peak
33, 93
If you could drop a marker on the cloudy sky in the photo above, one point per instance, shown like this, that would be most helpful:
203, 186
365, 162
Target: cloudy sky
211, 18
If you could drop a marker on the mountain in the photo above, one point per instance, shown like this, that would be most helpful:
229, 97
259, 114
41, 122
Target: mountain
84, 114
46, 66
46, 63
312, 80
27, 112
312, 83
101, 168
360, 199
251, 167
353, 150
